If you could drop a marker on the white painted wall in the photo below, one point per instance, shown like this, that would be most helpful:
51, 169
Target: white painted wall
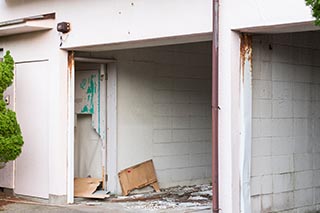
245, 14
229, 113
27, 48
254, 13
164, 110
107, 22
150, 20
285, 134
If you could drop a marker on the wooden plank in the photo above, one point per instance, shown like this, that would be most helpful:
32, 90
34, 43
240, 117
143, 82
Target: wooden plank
138, 176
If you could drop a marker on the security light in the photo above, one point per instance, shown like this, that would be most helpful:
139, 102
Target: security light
63, 27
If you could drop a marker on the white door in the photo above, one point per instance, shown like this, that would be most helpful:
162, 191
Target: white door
90, 129
32, 103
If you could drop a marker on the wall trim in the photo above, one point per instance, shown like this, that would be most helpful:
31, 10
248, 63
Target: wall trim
112, 130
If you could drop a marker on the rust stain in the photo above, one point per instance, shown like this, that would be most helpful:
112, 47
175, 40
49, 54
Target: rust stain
41, 17
70, 62
31, 18
245, 52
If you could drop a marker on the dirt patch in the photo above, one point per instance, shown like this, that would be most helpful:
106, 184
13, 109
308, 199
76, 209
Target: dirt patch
8, 199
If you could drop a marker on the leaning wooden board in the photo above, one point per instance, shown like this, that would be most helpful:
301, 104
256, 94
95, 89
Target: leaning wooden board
138, 176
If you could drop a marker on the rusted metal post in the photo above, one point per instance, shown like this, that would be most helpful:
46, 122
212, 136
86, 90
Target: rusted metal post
215, 107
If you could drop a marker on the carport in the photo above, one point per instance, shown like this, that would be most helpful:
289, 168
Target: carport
280, 119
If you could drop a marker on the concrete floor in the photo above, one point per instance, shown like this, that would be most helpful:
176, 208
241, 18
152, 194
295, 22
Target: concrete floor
103, 207
195, 198
26, 208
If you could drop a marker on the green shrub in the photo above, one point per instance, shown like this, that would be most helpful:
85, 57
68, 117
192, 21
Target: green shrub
11, 140
315, 6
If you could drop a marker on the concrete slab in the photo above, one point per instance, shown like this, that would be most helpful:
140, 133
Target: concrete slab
108, 207
195, 198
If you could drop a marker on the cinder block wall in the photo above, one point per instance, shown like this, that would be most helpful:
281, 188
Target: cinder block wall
285, 172
182, 122
164, 110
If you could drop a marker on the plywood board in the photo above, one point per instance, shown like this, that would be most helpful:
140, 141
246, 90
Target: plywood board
138, 176
86, 187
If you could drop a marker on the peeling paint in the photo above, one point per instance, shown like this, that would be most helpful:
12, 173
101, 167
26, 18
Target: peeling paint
88, 100
83, 84
91, 91
85, 109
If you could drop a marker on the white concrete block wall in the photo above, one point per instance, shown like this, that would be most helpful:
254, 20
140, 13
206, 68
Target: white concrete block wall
164, 110
285, 168
188, 138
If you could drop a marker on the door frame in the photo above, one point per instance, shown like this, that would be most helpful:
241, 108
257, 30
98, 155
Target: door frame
111, 127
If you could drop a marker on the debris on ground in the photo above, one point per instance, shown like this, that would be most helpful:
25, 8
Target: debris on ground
93, 203
138, 176
138, 197
197, 197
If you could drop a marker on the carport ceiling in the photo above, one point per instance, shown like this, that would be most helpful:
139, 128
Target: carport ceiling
281, 28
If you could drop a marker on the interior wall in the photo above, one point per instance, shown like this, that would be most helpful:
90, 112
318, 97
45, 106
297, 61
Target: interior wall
286, 123
164, 110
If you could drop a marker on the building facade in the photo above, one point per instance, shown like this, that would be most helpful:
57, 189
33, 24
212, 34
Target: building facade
131, 81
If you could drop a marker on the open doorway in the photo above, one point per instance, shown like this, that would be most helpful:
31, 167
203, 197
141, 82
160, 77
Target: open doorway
90, 128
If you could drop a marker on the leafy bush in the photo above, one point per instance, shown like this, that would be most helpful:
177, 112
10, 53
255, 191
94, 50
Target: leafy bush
11, 140
315, 6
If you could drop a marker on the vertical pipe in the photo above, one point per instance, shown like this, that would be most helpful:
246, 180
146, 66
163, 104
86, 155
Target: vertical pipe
215, 107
